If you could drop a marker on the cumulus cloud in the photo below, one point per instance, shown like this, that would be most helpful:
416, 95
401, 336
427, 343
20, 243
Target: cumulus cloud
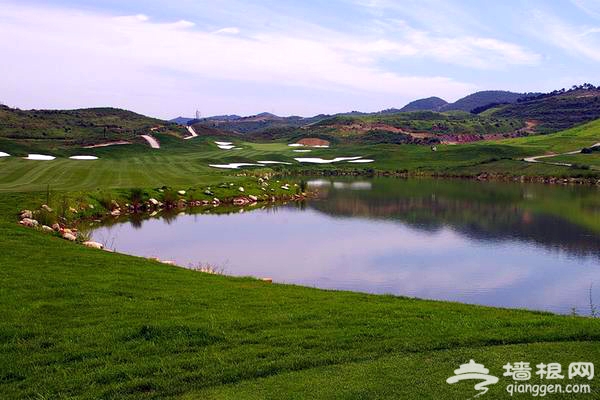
62, 53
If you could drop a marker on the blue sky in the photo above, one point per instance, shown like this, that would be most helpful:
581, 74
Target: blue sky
167, 59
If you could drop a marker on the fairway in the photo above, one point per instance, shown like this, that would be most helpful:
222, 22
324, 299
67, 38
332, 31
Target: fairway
186, 162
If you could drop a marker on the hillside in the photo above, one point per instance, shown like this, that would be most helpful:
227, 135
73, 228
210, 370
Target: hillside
555, 111
423, 127
483, 98
61, 128
428, 104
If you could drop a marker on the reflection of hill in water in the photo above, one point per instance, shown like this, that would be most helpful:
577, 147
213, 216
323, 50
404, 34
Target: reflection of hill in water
477, 219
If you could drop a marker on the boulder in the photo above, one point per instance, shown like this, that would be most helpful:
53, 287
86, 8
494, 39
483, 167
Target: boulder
153, 201
94, 245
31, 223
285, 187
239, 201
241, 189
47, 229
46, 208
253, 197
69, 236
26, 214
115, 213
56, 227
181, 193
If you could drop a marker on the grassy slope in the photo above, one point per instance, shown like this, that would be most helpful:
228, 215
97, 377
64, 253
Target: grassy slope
59, 129
87, 324
186, 162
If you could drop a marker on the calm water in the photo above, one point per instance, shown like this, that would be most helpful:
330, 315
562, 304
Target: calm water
511, 245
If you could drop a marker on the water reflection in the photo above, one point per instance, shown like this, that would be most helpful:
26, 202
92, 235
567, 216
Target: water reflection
510, 245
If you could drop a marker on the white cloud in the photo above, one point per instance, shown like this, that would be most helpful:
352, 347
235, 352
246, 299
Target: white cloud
590, 7
230, 31
576, 40
67, 54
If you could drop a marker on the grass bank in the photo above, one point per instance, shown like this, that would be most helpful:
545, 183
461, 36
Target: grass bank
82, 323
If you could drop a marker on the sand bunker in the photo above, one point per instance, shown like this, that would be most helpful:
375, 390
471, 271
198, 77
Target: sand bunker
274, 162
362, 161
234, 165
302, 151
324, 161
40, 157
226, 145
83, 158
296, 145
3, 154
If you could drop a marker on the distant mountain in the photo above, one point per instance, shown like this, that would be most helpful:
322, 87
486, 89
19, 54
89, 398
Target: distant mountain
181, 120
428, 104
484, 98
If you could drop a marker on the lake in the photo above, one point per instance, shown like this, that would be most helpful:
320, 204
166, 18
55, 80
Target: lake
498, 244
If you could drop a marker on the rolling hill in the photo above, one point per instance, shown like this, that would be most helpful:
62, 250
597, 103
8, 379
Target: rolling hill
555, 111
428, 104
62, 128
484, 98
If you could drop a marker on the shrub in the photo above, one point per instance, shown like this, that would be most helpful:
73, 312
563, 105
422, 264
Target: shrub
170, 197
136, 197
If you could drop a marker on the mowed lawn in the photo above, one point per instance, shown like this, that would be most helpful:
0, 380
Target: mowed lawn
86, 324
79, 323
181, 162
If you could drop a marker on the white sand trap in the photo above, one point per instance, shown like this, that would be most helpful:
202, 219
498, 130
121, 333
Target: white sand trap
302, 151
223, 143
321, 146
3, 154
225, 147
324, 161
234, 165
361, 161
192, 133
296, 145
83, 158
40, 157
152, 141
274, 162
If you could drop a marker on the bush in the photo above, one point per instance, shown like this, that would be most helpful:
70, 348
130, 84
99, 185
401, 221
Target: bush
136, 197
170, 197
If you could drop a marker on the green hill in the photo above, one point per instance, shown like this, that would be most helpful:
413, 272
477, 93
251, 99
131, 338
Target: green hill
65, 128
481, 99
555, 111
428, 104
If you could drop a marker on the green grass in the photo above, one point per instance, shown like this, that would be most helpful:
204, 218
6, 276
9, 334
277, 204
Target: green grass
81, 323
186, 162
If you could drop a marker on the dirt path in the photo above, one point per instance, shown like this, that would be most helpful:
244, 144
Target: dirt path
192, 132
536, 159
153, 142
122, 142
